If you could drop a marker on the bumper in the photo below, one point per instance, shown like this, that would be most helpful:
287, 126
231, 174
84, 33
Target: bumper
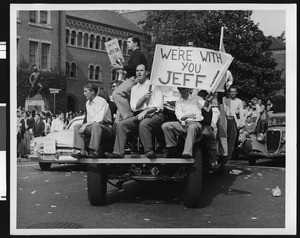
269, 156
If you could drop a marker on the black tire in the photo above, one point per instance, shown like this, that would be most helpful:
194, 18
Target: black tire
97, 184
251, 160
44, 166
193, 191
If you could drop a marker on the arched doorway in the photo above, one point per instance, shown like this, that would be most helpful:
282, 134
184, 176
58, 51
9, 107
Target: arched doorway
72, 103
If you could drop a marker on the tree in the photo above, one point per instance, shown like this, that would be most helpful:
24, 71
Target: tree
253, 67
282, 36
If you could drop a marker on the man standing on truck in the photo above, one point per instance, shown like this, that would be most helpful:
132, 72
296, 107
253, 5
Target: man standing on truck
121, 94
97, 124
147, 106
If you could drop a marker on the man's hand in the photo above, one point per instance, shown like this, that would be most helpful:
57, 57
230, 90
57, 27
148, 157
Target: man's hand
191, 115
81, 130
147, 97
142, 115
116, 66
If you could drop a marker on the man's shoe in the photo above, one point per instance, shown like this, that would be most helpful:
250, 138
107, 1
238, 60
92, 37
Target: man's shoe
151, 155
93, 155
170, 152
112, 155
78, 155
186, 156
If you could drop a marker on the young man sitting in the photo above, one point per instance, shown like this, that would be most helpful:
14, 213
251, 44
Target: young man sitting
188, 110
97, 126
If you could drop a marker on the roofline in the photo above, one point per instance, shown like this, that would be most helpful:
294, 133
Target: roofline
105, 25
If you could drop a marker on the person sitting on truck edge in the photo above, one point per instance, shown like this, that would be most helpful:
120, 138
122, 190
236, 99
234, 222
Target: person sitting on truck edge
188, 111
148, 115
96, 125
121, 94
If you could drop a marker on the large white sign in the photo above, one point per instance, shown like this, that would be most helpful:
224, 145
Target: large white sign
189, 67
114, 52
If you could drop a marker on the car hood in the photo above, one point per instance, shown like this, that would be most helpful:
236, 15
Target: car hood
63, 138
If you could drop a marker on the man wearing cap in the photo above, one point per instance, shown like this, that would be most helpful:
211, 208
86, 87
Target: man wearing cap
188, 112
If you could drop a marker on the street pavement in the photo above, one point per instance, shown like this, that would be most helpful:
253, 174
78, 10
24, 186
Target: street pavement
240, 198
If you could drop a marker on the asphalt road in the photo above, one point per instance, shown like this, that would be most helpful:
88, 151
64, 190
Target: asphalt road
240, 198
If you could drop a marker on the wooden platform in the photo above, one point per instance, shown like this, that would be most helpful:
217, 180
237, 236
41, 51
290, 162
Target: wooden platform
128, 159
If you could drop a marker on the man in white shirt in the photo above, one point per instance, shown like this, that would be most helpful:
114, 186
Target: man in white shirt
58, 123
147, 106
188, 111
97, 124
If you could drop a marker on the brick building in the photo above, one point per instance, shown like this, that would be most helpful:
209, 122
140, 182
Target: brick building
86, 57
72, 43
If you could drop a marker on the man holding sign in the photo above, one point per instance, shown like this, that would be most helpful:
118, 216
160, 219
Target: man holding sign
121, 95
147, 106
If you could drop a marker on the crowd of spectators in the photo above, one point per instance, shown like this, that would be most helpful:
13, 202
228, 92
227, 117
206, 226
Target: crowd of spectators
256, 115
38, 123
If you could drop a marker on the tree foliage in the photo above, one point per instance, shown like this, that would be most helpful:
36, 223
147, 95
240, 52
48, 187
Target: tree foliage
253, 68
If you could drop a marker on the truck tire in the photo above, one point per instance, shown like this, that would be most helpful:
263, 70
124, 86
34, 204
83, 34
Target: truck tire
251, 160
193, 191
44, 166
97, 184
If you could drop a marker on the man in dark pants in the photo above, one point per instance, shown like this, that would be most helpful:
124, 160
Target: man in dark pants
148, 107
97, 126
38, 126
121, 94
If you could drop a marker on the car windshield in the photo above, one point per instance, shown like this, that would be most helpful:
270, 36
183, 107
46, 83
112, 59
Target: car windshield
276, 121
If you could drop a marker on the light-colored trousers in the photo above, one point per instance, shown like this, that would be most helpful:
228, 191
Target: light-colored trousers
96, 132
174, 128
121, 96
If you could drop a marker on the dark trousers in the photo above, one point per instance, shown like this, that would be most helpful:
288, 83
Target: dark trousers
232, 136
145, 128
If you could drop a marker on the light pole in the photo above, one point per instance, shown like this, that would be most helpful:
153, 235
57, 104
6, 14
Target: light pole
54, 91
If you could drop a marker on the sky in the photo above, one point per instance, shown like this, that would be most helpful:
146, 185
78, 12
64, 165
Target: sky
271, 22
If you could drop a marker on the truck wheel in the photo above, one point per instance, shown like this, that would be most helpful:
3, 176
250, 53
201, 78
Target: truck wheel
44, 166
97, 184
252, 160
193, 191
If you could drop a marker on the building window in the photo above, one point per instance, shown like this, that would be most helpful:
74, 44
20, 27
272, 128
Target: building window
98, 73
43, 17
91, 72
33, 16
124, 47
85, 40
67, 36
92, 39
102, 43
67, 69
73, 37
33, 47
108, 39
79, 39
39, 17
97, 42
73, 72
45, 64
